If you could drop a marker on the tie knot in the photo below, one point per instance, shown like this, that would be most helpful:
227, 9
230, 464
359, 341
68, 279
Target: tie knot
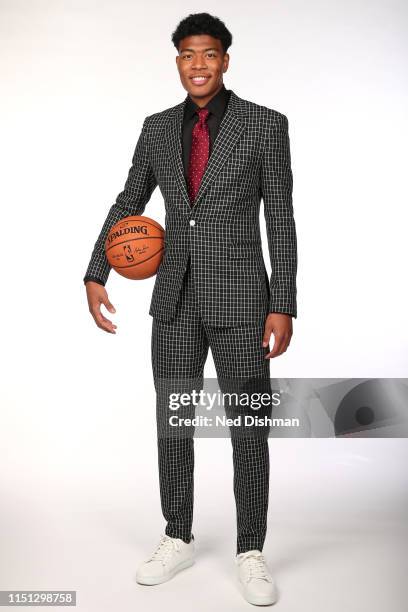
203, 114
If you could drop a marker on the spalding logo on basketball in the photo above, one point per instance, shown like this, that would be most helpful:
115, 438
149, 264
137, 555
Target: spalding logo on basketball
134, 247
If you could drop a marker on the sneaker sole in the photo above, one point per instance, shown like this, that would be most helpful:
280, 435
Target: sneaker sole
257, 601
151, 580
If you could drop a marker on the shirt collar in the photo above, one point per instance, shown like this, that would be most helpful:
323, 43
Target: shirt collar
216, 105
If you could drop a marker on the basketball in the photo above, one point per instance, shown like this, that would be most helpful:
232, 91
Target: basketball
134, 247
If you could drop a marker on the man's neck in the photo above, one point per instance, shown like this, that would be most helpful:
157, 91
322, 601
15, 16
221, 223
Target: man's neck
201, 102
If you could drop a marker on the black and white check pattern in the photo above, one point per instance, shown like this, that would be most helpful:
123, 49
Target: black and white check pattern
250, 160
179, 350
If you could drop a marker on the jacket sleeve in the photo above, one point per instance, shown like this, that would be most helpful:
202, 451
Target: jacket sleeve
276, 188
137, 191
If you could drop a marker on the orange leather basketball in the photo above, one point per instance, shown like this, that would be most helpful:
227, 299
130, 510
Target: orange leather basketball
134, 247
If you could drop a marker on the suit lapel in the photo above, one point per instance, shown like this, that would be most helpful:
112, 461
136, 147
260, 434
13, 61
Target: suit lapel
173, 145
228, 134
231, 128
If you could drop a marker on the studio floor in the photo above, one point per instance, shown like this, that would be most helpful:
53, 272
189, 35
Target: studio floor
336, 541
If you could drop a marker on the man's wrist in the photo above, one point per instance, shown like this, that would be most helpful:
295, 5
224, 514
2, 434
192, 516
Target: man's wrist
95, 279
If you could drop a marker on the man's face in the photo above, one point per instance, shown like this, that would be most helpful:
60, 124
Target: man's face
201, 55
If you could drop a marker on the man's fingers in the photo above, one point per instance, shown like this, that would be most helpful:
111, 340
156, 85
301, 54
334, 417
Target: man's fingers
102, 321
105, 324
276, 347
97, 296
280, 345
267, 335
109, 306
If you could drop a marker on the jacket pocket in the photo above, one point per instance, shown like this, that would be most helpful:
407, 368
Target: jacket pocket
244, 249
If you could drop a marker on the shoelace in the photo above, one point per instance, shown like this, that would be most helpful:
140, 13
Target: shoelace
165, 547
255, 565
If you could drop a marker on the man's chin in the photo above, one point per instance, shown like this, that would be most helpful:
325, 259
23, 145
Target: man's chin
201, 91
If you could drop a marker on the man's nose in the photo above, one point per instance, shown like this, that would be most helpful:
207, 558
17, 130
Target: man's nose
198, 63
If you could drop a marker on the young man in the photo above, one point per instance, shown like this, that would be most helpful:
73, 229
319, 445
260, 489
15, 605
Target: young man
214, 157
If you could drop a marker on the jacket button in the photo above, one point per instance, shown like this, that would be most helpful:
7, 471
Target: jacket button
192, 222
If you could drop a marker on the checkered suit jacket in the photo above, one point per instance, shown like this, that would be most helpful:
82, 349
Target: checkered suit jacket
249, 161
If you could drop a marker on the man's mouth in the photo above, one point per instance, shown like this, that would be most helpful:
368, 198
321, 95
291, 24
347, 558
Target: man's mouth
199, 80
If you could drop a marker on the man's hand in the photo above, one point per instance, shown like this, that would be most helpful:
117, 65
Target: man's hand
281, 326
97, 295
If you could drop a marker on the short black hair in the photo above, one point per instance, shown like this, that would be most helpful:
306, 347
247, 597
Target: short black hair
202, 23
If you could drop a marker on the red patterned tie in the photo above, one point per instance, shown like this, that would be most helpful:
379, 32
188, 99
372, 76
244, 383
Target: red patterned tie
200, 149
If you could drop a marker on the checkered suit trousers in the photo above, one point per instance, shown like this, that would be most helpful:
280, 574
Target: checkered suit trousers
179, 348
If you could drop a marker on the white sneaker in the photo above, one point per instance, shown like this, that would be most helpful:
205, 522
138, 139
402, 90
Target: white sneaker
255, 581
170, 556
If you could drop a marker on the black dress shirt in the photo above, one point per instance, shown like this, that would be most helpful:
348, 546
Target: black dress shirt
216, 106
